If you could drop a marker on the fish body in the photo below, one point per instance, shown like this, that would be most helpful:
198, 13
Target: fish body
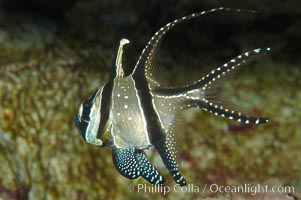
128, 123
132, 113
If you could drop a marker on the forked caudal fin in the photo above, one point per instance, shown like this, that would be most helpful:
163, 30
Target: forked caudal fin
207, 81
199, 93
233, 115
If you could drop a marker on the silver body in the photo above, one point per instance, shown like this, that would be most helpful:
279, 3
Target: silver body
127, 120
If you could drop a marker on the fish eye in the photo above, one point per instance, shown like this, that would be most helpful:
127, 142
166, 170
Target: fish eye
87, 103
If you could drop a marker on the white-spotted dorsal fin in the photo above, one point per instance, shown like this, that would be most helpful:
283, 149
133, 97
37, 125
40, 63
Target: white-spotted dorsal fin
146, 63
119, 73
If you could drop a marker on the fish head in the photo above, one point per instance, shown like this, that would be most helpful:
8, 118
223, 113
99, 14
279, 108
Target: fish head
88, 118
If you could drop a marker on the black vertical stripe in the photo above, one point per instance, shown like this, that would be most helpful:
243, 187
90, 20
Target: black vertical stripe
87, 106
106, 100
153, 126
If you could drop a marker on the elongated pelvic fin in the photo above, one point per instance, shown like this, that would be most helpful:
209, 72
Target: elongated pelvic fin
132, 163
148, 171
125, 162
118, 62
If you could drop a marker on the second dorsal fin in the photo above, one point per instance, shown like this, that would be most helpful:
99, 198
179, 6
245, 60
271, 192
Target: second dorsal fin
146, 63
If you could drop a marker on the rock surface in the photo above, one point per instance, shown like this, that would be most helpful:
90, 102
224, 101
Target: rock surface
49, 64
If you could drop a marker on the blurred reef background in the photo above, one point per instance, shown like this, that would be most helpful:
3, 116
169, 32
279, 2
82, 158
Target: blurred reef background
55, 53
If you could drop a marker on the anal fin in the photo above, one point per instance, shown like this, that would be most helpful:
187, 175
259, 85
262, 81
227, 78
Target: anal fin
169, 160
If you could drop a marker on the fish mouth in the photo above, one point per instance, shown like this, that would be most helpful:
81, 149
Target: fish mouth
76, 121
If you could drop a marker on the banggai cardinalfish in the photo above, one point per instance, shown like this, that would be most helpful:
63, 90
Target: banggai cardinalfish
131, 113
